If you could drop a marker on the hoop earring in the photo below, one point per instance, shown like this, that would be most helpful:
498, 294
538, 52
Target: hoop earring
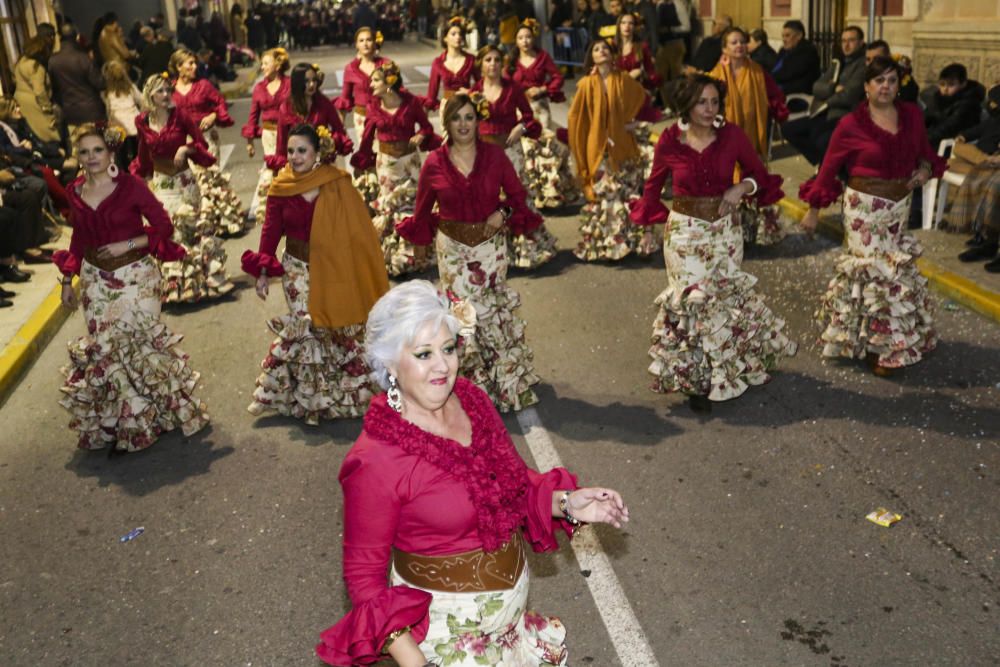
684, 125
316, 163
113, 170
394, 397
719, 121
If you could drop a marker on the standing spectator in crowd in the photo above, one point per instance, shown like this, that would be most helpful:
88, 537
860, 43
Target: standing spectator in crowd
598, 19
218, 36
562, 14
909, 91
77, 82
649, 26
147, 36
122, 101
364, 16
835, 94
238, 26
760, 51
188, 36
710, 49
798, 60
582, 14
954, 106
156, 57
673, 20
111, 43
33, 89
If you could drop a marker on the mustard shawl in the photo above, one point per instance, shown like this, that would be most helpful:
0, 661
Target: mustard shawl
746, 100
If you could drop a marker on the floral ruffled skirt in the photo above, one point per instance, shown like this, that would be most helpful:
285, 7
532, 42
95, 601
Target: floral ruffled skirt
127, 383
490, 628
496, 356
607, 231
397, 192
761, 224
221, 207
713, 334
877, 302
258, 205
531, 250
311, 373
201, 274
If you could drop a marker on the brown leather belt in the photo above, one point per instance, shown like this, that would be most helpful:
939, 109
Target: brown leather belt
467, 233
880, 187
167, 167
703, 208
297, 248
113, 263
498, 139
269, 125
361, 111
395, 148
472, 571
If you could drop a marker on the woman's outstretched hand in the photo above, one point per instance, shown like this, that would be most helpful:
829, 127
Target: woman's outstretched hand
598, 505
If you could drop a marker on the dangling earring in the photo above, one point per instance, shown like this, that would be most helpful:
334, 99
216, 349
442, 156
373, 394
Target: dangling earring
394, 397
316, 163
684, 125
719, 121
113, 170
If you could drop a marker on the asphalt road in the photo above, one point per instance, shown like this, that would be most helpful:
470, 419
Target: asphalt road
748, 544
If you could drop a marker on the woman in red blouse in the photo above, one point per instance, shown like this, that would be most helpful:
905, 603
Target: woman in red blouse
877, 306
633, 55
455, 69
356, 93
397, 119
608, 137
127, 382
534, 70
169, 141
315, 368
220, 205
265, 104
437, 498
511, 124
465, 179
713, 336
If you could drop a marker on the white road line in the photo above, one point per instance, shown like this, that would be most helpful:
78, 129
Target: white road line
626, 634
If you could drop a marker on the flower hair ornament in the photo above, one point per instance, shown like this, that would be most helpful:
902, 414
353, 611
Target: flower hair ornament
113, 135
327, 147
532, 25
481, 105
390, 72
458, 21
379, 38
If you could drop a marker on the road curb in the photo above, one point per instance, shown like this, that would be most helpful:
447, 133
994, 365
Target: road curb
29, 341
959, 289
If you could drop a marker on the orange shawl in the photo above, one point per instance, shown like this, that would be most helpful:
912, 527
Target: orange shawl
346, 266
597, 124
746, 100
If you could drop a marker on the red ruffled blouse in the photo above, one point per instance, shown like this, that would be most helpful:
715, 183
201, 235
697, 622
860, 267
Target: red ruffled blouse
321, 112
284, 216
442, 76
118, 218
504, 112
201, 100
542, 73
265, 107
705, 174
357, 90
865, 149
408, 119
408, 489
469, 198
641, 58
180, 130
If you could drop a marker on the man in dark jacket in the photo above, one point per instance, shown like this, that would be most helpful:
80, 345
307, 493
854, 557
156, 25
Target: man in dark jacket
76, 82
835, 94
155, 57
797, 67
760, 51
710, 49
954, 106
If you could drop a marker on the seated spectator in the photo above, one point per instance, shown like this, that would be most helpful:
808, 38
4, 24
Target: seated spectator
761, 51
156, 56
835, 94
955, 105
76, 81
797, 67
908, 88
707, 55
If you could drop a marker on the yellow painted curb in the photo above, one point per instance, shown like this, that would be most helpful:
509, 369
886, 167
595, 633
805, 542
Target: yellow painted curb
959, 289
31, 338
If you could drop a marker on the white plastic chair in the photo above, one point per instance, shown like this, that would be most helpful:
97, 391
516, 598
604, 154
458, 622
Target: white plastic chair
808, 99
936, 189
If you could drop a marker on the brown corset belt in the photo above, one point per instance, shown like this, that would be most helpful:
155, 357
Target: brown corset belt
167, 167
395, 148
297, 248
498, 139
880, 187
467, 233
361, 111
471, 571
268, 125
113, 263
703, 208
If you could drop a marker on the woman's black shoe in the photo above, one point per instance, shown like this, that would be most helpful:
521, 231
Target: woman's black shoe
699, 403
994, 266
4, 294
11, 274
976, 240
5, 303
975, 253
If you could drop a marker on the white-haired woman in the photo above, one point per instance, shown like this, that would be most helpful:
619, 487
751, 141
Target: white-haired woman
169, 140
436, 495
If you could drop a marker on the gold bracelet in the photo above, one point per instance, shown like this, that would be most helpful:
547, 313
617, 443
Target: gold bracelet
393, 636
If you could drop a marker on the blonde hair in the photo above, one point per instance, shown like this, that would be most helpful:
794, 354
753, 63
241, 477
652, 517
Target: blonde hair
86, 130
7, 106
178, 57
280, 58
153, 84
116, 77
